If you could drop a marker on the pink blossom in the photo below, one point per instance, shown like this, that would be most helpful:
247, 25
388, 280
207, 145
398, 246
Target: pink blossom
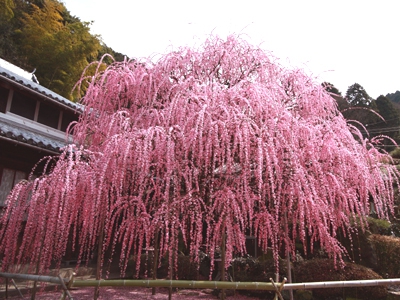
206, 144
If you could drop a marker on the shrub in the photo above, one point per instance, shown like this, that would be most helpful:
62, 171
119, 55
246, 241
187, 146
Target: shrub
316, 270
359, 247
379, 226
387, 250
187, 269
256, 270
395, 153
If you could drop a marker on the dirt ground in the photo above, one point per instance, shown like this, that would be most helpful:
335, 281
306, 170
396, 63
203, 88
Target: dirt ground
131, 293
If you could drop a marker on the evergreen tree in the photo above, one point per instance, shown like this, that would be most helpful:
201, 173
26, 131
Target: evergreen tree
362, 108
356, 95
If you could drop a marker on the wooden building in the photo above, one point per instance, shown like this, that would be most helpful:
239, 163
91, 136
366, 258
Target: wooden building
33, 124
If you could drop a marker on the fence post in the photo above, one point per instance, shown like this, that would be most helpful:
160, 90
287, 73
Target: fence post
65, 289
278, 289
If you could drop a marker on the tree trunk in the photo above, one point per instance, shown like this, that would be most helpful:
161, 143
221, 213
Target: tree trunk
289, 265
98, 266
223, 257
155, 261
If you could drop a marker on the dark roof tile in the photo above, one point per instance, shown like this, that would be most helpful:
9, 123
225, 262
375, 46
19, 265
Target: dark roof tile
30, 137
36, 87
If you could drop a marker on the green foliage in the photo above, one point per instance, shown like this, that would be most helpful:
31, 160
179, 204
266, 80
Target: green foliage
250, 269
108, 50
7, 48
6, 10
394, 97
253, 269
395, 153
9, 11
316, 270
343, 105
66, 47
378, 117
356, 95
187, 269
358, 244
43, 35
362, 109
390, 125
330, 88
303, 295
146, 267
388, 254
387, 110
379, 226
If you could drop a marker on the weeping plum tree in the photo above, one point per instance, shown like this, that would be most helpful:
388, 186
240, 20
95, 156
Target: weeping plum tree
207, 145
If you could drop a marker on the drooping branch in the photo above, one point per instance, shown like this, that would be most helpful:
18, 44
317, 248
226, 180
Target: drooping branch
204, 144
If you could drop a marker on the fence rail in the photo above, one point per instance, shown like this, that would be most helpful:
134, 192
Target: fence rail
233, 285
40, 278
338, 284
277, 287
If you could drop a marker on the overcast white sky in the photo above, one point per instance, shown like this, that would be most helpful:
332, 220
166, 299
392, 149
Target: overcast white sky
342, 41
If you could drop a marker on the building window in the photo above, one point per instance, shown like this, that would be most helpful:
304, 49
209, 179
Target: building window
23, 106
48, 115
67, 119
8, 179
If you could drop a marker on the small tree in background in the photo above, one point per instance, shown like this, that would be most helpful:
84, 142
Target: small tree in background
209, 144
356, 95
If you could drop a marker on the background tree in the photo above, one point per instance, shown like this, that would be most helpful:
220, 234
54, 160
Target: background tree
389, 126
356, 95
66, 46
117, 56
44, 35
6, 10
394, 97
337, 95
330, 88
362, 109
373, 117
7, 48
209, 145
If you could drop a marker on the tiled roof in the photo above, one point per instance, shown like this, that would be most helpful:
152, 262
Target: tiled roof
29, 84
30, 137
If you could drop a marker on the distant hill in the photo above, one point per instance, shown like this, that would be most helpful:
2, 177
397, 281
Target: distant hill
394, 97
